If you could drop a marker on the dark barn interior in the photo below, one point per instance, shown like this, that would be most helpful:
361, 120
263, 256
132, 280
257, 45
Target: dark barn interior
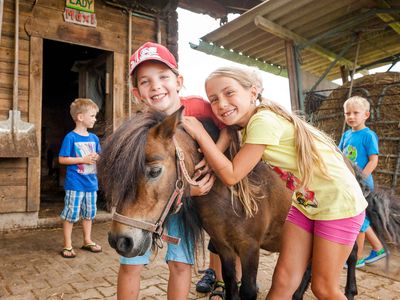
68, 72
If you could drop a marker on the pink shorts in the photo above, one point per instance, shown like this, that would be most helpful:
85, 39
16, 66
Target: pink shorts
342, 231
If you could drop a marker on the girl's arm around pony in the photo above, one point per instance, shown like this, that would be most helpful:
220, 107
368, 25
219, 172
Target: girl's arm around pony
230, 172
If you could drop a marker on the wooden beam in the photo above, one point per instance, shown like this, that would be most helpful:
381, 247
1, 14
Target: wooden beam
35, 117
119, 90
289, 35
388, 18
344, 73
292, 74
395, 25
236, 57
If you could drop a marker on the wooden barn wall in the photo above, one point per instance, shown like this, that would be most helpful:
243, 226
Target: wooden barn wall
20, 178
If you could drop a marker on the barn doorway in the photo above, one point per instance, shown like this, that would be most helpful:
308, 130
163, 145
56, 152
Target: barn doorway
69, 71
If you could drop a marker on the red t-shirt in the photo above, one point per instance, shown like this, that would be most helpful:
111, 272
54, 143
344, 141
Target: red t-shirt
196, 106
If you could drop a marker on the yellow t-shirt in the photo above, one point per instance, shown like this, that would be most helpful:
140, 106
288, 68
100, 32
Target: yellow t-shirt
335, 198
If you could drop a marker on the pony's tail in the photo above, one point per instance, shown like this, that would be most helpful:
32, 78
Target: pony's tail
383, 211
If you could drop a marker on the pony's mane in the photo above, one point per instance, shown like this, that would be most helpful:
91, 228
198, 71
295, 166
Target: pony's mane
122, 160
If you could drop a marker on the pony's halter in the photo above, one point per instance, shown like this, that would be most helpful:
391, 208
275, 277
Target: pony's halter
175, 198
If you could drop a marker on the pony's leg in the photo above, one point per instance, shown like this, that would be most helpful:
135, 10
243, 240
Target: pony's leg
351, 285
298, 295
249, 259
229, 274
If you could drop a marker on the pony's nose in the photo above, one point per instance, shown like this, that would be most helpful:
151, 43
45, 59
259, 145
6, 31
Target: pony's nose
124, 244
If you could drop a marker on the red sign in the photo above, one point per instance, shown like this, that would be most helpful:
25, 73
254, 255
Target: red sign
80, 17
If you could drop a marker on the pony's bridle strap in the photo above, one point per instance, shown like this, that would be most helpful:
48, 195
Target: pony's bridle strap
181, 158
175, 198
134, 223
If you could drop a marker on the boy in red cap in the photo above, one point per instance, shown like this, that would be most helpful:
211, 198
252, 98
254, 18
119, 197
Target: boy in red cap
156, 82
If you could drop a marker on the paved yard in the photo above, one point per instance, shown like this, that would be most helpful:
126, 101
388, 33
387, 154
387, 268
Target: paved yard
31, 268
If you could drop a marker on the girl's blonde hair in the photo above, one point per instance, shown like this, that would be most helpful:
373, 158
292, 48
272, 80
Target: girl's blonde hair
81, 106
307, 152
358, 101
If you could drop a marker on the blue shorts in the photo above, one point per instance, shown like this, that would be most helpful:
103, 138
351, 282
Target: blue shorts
79, 204
365, 225
179, 253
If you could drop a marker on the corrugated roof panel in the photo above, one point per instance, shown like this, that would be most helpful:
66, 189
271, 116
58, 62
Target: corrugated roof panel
331, 24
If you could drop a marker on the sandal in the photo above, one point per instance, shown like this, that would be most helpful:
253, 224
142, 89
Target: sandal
92, 247
218, 293
68, 252
206, 283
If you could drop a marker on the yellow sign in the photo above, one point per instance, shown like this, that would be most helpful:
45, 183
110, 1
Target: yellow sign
82, 5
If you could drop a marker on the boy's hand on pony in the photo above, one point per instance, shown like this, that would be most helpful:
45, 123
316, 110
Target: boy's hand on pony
204, 185
193, 126
201, 168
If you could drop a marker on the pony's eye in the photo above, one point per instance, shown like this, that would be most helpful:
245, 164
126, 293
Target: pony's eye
153, 172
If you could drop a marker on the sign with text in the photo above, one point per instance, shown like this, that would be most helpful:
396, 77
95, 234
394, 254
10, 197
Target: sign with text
80, 17
81, 5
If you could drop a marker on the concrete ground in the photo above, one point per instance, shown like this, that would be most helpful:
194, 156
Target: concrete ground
32, 268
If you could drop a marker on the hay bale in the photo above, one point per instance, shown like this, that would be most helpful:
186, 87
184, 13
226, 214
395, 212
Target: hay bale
382, 90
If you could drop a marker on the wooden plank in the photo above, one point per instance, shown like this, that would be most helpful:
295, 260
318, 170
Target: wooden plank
119, 88
7, 55
8, 42
7, 104
35, 117
113, 40
13, 176
12, 199
8, 68
13, 163
6, 81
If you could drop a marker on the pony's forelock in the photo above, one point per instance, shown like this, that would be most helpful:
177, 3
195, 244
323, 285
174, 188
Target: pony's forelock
117, 177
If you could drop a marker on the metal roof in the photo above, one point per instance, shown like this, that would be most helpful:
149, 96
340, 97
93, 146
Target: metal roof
322, 31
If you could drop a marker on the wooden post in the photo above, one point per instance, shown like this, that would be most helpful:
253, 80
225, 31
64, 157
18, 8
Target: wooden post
118, 89
344, 73
35, 117
293, 82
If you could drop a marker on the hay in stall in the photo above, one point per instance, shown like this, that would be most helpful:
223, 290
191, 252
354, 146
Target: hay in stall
383, 92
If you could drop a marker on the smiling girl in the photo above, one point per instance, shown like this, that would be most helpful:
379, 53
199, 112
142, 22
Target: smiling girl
328, 206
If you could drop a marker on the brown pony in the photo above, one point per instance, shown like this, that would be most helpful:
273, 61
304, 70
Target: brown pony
144, 171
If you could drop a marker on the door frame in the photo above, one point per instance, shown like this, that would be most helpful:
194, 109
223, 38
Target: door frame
115, 81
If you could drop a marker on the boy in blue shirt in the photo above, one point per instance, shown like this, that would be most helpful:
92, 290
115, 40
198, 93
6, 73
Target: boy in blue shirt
360, 145
79, 151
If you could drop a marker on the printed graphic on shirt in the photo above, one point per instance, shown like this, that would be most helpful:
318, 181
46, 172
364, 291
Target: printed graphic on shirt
304, 197
351, 153
83, 149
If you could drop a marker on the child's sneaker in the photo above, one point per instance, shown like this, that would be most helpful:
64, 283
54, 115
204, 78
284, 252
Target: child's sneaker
359, 264
375, 256
206, 283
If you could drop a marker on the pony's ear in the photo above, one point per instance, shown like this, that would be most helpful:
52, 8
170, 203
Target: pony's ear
167, 128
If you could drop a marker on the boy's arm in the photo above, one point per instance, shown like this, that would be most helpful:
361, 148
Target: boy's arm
88, 159
371, 165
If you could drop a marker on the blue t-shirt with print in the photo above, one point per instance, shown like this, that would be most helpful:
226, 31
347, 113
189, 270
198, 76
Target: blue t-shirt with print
80, 177
358, 146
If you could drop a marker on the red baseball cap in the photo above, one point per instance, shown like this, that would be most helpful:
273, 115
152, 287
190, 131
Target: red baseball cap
151, 51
